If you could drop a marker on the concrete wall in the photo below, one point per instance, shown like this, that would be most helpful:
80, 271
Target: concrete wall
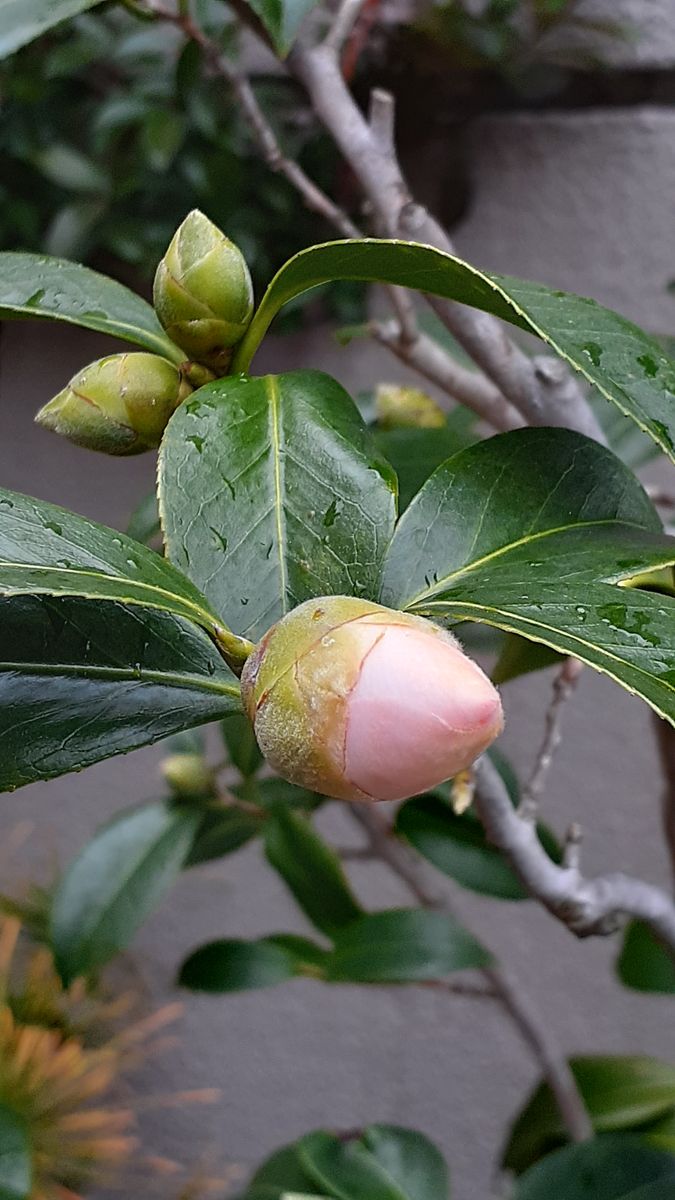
582, 200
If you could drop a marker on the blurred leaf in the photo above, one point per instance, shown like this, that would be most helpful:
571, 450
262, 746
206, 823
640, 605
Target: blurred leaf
273, 792
69, 168
620, 1093
282, 19
415, 453
144, 521
311, 870
115, 882
16, 1167
236, 966
221, 831
402, 946
457, 845
644, 964
381, 1162
242, 747
520, 657
607, 1168
23, 20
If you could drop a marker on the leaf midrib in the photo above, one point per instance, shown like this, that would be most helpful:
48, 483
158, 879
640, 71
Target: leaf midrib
205, 618
122, 675
272, 389
468, 568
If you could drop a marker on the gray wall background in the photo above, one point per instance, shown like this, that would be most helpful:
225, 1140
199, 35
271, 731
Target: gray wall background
583, 200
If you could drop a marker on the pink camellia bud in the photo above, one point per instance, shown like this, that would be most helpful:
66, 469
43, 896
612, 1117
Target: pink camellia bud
360, 702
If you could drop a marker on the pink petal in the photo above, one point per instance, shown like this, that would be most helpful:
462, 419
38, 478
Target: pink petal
419, 712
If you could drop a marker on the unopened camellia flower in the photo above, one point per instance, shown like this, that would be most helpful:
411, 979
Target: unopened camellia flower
360, 702
119, 405
203, 293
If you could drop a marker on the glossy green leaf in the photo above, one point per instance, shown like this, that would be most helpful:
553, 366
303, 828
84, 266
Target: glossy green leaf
607, 1168
381, 1162
231, 965
81, 681
21, 21
271, 493
626, 365
644, 964
457, 845
385, 1163
33, 285
620, 1093
221, 831
282, 19
402, 946
533, 531
115, 882
47, 550
16, 1167
311, 870
242, 747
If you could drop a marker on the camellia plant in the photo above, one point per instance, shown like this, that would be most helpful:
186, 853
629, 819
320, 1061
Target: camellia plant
322, 606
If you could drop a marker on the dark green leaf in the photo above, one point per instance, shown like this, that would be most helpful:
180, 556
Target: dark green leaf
282, 19
237, 966
660, 1189
270, 494
115, 882
33, 285
607, 1168
532, 531
21, 21
16, 1168
625, 364
385, 1163
402, 946
47, 550
222, 831
311, 870
241, 744
81, 681
272, 792
619, 1093
457, 845
644, 964
520, 657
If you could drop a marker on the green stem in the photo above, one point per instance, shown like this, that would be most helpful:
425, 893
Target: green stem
234, 649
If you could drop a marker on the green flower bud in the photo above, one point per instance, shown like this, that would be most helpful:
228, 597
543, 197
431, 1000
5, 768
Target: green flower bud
203, 294
406, 408
118, 405
360, 702
188, 774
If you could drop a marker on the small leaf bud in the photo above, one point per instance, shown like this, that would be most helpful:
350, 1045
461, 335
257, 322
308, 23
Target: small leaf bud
360, 702
188, 774
118, 405
203, 294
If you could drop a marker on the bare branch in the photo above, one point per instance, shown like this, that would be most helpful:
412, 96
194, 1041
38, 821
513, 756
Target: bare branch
380, 175
263, 133
587, 907
345, 19
412, 870
564, 684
